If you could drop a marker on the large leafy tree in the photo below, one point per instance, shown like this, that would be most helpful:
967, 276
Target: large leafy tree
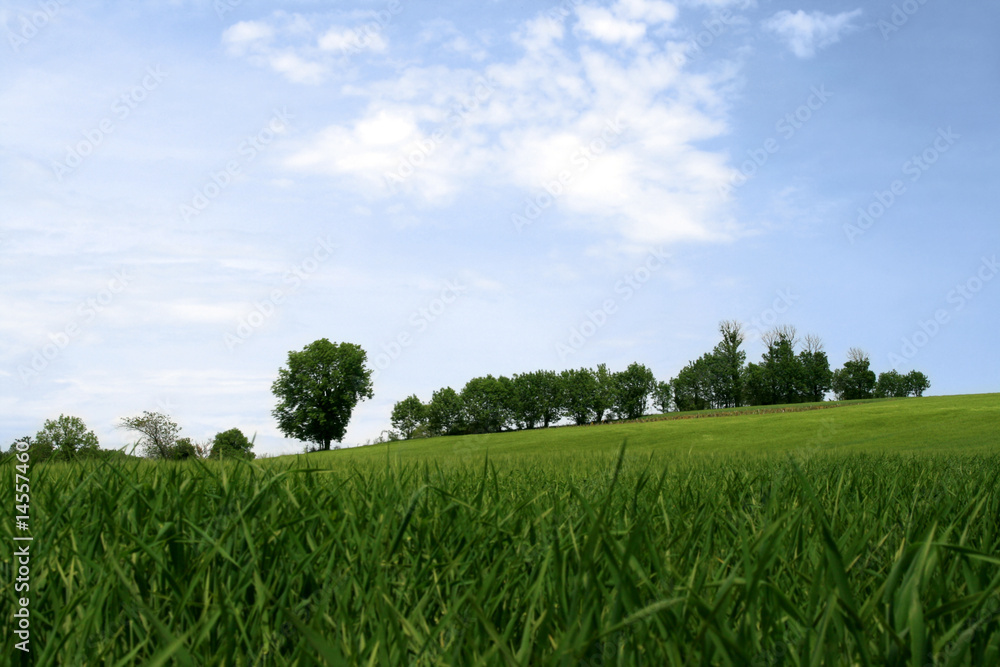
782, 368
231, 443
67, 438
727, 366
526, 399
407, 415
632, 389
663, 396
855, 380
816, 376
692, 388
319, 390
891, 385
158, 433
486, 401
604, 392
917, 383
578, 389
445, 412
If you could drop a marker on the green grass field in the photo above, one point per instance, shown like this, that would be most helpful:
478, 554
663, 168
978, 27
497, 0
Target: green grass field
856, 534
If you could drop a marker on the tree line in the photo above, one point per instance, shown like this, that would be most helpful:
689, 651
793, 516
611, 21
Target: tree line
68, 439
789, 371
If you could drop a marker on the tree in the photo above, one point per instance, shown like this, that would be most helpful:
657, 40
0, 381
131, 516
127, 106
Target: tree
407, 415
578, 389
891, 385
318, 391
855, 380
231, 443
632, 389
817, 378
486, 402
158, 433
692, 388
445, 412
603, 399
783, 376
550, 396
525, 397
727, 369
184, 449
917, 383
67, 438
755, 388
663, 396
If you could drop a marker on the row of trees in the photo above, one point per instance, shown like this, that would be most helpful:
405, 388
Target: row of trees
790, 371
528, 400
68, 438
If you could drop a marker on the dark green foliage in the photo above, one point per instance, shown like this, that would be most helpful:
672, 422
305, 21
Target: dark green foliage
632, 388
855, 380
917, 383
891, 385
319, 389
817, 378
64, 439
727, 366
231, 443
446, 413
184, 449
487, 404
663, 397
407, 415
579, 387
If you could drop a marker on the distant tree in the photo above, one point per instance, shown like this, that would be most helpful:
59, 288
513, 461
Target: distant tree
855, 380
917, 383
604, 393
727, 366
632, 389
891, 385
36, 453
782, 369
231, 443
67, 438
817, 378
486, 403
550, 396
319, 390
158, 433
756, 390
663, 396
407, 415
445, 412
184, 449
692, 388
526, 402
578, 389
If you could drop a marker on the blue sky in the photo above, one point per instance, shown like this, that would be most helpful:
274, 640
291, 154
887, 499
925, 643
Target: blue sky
192, 189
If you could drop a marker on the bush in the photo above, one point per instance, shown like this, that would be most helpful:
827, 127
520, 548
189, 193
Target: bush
231, 443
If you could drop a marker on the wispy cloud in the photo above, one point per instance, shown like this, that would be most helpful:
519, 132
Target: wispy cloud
807, 33
524, 122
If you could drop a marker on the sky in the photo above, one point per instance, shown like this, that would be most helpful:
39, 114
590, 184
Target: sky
189, 190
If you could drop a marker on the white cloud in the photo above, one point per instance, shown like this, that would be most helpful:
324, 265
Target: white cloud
304, 50
247, 35
807, 33
553, 110
601, 24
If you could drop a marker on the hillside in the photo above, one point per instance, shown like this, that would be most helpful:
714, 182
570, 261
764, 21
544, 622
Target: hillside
959, 424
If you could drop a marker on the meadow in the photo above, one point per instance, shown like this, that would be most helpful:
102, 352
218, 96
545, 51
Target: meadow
841, 534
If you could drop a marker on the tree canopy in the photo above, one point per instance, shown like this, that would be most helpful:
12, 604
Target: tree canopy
319, 390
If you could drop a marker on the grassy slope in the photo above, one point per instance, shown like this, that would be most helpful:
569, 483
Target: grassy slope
952, 424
